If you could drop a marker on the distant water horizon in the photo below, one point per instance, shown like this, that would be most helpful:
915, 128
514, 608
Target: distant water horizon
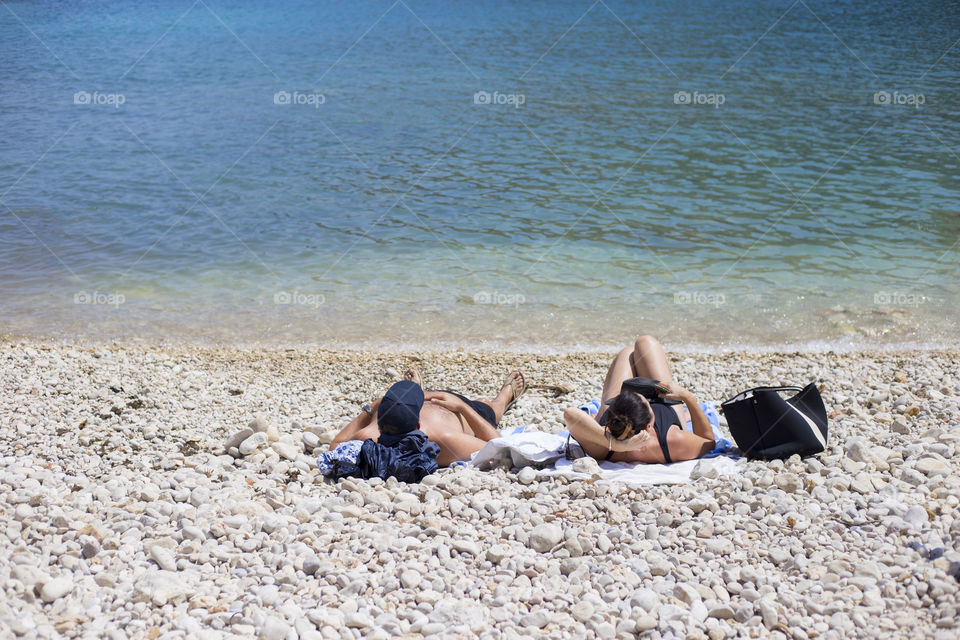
418, 173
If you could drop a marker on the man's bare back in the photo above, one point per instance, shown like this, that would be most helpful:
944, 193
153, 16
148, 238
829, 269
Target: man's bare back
434, 421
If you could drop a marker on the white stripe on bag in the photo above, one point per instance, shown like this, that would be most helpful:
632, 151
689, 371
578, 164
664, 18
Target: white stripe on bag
813, 426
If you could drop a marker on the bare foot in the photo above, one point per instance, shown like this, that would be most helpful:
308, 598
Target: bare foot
413, 375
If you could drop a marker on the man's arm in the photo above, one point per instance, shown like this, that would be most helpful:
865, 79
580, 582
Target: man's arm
481, 428
455, 447
354, 427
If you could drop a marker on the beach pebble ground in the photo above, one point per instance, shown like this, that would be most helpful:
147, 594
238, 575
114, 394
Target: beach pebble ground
172, 492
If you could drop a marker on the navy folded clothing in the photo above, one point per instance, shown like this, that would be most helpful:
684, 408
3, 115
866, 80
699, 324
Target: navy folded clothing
407, 456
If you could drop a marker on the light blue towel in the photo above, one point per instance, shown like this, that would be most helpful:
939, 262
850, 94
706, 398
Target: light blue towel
592, 407
341, 460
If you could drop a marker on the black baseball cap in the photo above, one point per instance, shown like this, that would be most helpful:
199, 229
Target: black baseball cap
399, 411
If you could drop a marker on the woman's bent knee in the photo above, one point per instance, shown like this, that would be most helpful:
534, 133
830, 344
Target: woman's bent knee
646, 342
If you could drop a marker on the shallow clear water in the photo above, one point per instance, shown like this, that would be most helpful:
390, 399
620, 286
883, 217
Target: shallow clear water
776, 200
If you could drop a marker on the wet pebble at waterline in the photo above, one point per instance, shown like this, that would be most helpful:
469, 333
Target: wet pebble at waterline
169, 492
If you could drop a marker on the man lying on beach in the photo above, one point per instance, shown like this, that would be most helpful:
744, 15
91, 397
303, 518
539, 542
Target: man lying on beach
630, 428
459, 426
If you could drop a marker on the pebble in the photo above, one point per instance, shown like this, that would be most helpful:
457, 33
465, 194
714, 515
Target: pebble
105, 579
274, 629
789, 482
90, 548
537, 619
705, 469
545, 537
252, 443
311, 564
933, 467
261, 425
646, 623
722, 612
286, 450
410, 579
358, 620
586, 465
527, 475
768, 612
647, 599
581, 610
466, 546
163, 558
238, 437
916, 515
686, 593
56, 589
498, 552
310, 440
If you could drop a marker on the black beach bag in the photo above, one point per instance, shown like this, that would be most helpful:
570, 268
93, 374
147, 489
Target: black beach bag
767, 425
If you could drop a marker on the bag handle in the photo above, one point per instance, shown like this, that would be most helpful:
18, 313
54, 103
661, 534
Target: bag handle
743, 394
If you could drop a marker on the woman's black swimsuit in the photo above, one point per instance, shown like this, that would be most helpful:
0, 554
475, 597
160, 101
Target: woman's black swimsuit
664, 417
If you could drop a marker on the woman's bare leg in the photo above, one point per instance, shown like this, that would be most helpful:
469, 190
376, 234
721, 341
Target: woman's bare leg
646, 358
649, 360
620, 369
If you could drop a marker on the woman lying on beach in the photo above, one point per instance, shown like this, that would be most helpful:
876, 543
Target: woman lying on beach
460, 426
628, 427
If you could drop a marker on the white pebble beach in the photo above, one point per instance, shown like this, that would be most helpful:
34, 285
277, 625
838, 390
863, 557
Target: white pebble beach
124, 515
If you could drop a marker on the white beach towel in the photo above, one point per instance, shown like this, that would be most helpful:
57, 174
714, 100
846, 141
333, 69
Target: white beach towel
640, 473
546, 451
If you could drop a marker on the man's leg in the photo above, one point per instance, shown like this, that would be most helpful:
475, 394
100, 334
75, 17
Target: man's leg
505, 397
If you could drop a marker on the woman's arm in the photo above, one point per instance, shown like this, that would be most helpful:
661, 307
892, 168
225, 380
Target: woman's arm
593, 437
688, 446
701, 426
684, 445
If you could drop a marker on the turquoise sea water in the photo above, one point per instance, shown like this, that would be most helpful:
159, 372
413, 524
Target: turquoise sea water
523, 172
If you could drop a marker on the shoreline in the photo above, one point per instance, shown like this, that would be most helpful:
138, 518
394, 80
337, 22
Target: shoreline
124, 515
812, 346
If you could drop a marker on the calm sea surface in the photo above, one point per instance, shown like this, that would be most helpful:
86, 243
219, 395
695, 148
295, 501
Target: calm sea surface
441, 172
